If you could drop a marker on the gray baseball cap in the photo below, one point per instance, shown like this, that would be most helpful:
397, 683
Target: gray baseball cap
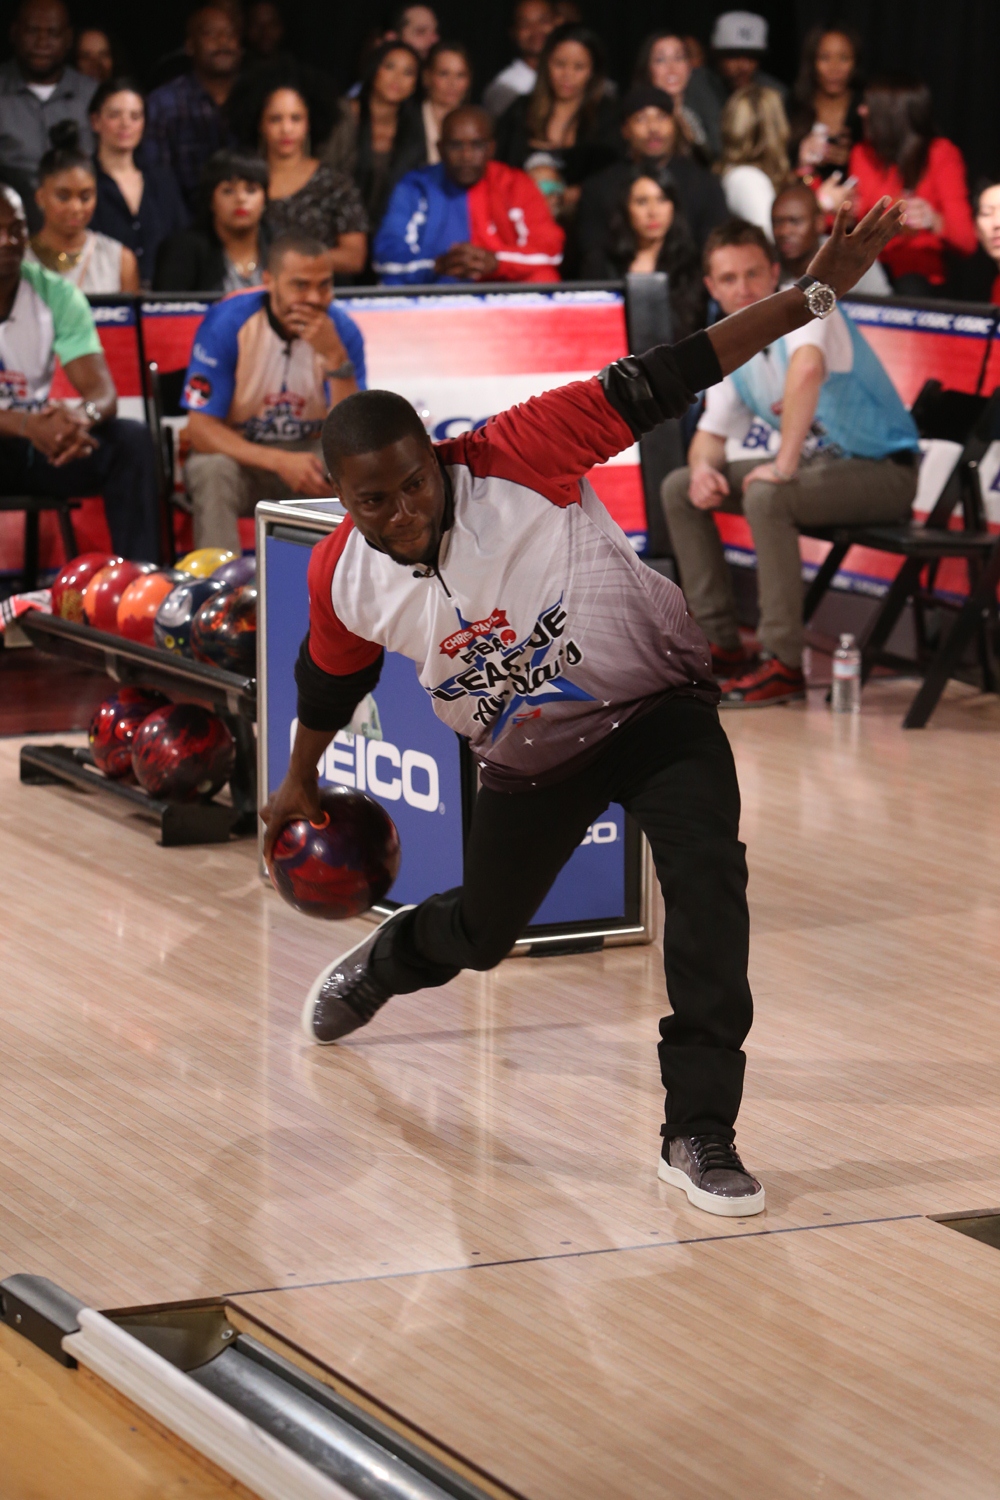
739, 31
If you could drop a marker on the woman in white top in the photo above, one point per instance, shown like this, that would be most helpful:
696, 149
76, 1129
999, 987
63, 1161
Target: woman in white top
447, 83
67, 197
754, 161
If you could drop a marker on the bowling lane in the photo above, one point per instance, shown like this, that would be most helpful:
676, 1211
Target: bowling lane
856, 1362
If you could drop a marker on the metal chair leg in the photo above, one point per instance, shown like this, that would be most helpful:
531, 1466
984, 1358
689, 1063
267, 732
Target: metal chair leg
967, 621
823, 579
67, 532
30, 574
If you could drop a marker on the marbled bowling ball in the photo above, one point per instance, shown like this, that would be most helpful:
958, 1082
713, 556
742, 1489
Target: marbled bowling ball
139, 603
340, 866
71, 581
172, 626
183, 752
104, 592
113, 728
224, 631
237, 572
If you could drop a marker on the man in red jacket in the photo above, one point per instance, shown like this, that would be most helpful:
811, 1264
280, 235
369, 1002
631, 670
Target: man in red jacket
469, 218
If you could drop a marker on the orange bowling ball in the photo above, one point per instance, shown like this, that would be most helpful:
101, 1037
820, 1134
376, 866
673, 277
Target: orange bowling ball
138, 605
104, 591
70, 583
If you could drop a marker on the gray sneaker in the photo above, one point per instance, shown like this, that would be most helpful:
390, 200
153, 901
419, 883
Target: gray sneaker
709, 1170
345, 995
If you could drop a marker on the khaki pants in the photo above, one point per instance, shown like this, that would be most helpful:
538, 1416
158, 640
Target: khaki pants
222, 490
827, 492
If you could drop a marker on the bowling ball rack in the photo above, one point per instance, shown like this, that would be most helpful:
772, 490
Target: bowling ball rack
127, 663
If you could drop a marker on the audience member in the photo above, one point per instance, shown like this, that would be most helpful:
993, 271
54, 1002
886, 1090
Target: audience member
94, 55
900, 155
754, 160
530, 27
264, 33
417, 26
267, 366
185, 120
987, 204
739, 46
650, 136
223, 249
380, 136
447, 84
810, 431
65, 244
38, 89
469, 218
140, 206
797, 225
545, 173
285, 110
824, 119
664, 62
48, 447
646, 233
568, 112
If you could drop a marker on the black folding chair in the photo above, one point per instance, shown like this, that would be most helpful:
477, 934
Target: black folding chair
33, 505
163, 399
973, 421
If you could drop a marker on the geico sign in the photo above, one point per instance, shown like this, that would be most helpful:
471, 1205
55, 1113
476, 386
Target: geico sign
601, 833
380, 768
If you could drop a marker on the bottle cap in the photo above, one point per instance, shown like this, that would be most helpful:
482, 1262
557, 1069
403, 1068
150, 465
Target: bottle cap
846, 641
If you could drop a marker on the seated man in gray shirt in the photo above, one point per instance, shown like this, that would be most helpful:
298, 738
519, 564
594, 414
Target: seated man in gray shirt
38, 89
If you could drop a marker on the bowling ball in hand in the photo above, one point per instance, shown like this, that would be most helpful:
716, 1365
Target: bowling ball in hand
340, 866
138, 605
241, 570
183, 753
172, 625
104, 591
224, 631
203, 561
71, 581
113, 727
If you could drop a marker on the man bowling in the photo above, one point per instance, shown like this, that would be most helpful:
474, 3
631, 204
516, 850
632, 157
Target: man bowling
585, 682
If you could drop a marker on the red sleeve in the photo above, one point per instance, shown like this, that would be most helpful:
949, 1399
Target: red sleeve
508, 215
548, 443
946, 187
870, 185
333, 647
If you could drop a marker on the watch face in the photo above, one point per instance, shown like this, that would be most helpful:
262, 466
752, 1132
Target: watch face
822, 300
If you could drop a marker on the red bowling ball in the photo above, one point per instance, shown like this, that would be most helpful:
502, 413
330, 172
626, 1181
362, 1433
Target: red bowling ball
104, 591
183, 753
113, 728
224, 631
340, 866
71, 582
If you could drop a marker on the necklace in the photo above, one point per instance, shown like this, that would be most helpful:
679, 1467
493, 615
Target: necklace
60, 261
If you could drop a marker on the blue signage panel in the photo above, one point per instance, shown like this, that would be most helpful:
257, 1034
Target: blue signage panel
414, 768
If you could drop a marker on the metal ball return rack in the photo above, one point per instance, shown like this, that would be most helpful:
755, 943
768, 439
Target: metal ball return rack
231, 696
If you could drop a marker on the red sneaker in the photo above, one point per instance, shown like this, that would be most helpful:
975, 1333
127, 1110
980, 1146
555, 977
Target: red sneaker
727, 663
770, 681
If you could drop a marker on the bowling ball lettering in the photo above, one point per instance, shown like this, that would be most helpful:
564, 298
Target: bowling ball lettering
237, 572
104, 591
71, 581
341, 866
172, 625
182, 753
113, 728
224, 631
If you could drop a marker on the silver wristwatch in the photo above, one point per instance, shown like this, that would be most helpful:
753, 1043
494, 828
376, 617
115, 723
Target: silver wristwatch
92, 412
820, 299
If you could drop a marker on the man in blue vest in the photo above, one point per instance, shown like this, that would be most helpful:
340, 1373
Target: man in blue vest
810, 431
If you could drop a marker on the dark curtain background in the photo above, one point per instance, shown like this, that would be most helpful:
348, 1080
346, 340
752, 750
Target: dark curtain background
954, 44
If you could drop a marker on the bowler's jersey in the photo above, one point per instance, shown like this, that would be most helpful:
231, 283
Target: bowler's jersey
49, 318
539, 633
245, 371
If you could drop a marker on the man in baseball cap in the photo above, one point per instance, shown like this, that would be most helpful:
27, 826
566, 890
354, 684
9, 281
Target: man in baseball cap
739, 42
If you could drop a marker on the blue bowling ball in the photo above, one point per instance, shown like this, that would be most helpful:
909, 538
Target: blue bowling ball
172, 626
238, 571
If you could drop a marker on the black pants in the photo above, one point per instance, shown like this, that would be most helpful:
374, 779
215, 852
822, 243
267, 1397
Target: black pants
121, 471
673, 771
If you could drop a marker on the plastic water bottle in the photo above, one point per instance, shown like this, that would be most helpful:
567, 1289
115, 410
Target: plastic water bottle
845, 694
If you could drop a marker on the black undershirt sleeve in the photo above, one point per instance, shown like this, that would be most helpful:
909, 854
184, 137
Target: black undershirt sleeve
327, 702
647, 389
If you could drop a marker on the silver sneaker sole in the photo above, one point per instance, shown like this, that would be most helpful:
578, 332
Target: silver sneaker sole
726, 1208
309, 1007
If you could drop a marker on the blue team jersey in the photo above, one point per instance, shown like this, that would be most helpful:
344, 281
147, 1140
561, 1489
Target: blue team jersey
245, 372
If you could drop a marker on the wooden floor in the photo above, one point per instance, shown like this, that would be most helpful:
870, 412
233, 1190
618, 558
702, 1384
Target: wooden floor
459, 1212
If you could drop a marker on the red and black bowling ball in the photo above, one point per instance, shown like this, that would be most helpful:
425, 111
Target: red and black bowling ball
224, 631
340, 866
183, 752
113, 728
172, 625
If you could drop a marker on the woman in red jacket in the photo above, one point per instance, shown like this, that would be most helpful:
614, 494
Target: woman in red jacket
901, 156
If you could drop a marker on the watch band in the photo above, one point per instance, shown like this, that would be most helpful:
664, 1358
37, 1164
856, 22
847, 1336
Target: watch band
92, 412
